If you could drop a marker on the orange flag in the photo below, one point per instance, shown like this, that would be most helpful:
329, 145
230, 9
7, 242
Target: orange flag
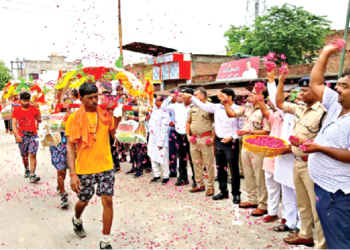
59, 74
149, 90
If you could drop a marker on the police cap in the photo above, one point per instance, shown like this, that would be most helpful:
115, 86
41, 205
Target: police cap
304, 82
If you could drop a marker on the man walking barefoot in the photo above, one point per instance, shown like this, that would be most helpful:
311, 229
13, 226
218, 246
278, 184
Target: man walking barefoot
88, 131
28, 119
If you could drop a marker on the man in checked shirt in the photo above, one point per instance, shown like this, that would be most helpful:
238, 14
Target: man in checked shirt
329, 161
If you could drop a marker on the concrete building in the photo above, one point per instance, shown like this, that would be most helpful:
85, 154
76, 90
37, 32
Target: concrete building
36, 68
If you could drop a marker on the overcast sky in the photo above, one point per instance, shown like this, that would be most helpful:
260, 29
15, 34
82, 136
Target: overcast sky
33, 29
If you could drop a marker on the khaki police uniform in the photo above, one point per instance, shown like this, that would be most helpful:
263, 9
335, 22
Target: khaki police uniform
307, 124
202, 154
254, 175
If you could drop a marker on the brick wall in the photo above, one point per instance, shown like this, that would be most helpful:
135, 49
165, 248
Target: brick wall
205, 78
338, 34
203, 69
301, 69
305, 69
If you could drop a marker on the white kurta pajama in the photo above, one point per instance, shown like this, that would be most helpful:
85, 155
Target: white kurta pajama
284, 168
158, 137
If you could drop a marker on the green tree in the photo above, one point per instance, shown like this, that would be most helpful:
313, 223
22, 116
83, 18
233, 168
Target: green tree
5, 75
287, 30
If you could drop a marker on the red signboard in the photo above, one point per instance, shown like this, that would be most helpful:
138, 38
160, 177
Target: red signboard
247, 68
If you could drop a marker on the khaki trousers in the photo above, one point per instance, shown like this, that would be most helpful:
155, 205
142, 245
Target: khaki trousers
306, 201
254, 177
202, 155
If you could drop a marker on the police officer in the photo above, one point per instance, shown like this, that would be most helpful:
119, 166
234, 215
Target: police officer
307, 123
200, 128
254, 124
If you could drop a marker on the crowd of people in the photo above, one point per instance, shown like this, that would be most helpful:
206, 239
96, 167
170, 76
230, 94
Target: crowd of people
312, 176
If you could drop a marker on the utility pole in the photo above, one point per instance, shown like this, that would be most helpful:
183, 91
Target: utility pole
120, 32
345, 38
257, 8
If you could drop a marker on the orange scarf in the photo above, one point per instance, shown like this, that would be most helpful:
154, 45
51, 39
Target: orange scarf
81, 123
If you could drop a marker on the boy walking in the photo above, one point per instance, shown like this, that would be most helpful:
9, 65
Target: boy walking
28, 118
87, 133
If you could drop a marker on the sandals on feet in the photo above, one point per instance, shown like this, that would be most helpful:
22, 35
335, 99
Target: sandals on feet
294, 231
281, 228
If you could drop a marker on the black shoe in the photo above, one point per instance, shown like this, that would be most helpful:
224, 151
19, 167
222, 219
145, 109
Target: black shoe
229, 181
34, 179
182, 182
155, 179
27, 173
220, 196
165, 181
78, 229
107, 246
173, 175
137, 175
64, 201
194, 185
216, 178
236, 199
132, 171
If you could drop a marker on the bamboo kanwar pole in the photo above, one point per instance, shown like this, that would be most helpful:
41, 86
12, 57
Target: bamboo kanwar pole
120, 32
345, 38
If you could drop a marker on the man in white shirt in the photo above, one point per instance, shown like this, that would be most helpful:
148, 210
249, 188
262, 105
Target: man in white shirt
329, 162
75, 97
250, 73
158, 144
181, 109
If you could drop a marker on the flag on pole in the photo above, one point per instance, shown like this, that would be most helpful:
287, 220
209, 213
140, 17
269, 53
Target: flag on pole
150, 91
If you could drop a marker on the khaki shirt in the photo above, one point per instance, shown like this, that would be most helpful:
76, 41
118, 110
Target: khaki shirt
201, 121
306, 121
253, 118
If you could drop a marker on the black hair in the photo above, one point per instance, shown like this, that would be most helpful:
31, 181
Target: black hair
172, 91
155, 96
203, 91
229, 92
75, 93
265, 93
119, 88
24, 96
87, 88
161, 97
188, 91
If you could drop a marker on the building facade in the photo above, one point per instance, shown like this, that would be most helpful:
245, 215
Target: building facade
36, 68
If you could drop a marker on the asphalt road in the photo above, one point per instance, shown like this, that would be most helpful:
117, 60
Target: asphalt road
145, 215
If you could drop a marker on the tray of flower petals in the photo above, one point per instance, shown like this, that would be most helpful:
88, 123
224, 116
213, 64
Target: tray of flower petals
265, 146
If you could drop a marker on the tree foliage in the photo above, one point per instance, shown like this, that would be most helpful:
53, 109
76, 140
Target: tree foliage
287, 30
5, 75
